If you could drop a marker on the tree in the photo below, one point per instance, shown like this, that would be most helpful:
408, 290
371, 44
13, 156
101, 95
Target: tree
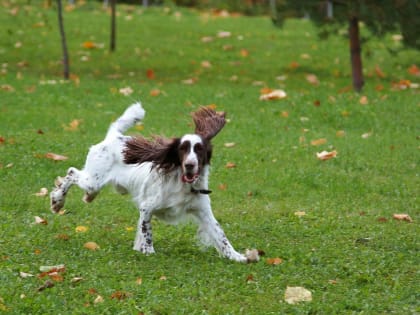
63, 40
379, 16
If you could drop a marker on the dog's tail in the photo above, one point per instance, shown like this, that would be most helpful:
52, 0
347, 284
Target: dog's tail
132, 115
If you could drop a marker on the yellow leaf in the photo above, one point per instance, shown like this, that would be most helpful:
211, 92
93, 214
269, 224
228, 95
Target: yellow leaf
363, 100
318, 142
81, 229
312, 79
300, 213
91, 246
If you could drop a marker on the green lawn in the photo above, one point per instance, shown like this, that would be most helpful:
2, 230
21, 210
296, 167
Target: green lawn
345, 247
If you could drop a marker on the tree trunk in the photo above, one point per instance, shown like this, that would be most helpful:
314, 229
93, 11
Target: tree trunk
113, 25
63, 41
356, 54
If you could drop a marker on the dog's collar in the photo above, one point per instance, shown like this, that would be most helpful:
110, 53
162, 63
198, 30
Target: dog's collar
200, 191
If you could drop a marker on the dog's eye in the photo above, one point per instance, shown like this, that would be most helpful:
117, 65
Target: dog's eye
198, 148
185, 146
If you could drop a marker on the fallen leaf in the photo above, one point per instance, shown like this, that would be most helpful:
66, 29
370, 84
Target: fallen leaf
98, 299
273, 95
300, 213
284, 114
53, 268
222, 186
189, 81
89, 45
73, 125
25, 275
120, 295
402, 217
7, 88
76, 279
312, 79
126, 91
155, 92
39, 220
63, 237
223, 34
244, 53
229, 144
91, 246
340, 133
379, 72
43, 192
139, 281
293, 65
325, 155
414, 70
295, 295
274, 261
206, 39
81, 229
250, 278
317, 103
363, 100
366, 135
150, 74
55, 157
230, 165
47, 284
318, 142
206, 64
163, 278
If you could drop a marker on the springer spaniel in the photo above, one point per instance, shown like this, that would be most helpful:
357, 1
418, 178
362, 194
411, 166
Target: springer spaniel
167, 178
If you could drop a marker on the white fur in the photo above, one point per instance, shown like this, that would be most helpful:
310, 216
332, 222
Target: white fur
165, 196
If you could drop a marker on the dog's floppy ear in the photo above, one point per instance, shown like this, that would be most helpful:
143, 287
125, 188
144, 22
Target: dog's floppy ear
162, 152
208, 122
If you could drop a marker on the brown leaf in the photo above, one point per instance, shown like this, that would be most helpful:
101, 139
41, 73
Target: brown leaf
139, 281
364, 100
379, 72
47, 284
56, 157
229, 144
150, 74
402, 217
120, 295
274, 261
91, 246
230, 165
250, 278
414, 70
73, 125
318, 142
155, 92
325, 155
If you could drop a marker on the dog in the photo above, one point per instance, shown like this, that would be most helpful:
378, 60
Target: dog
167, 178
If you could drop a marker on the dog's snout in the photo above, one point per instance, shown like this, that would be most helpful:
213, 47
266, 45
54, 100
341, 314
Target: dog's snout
189, 166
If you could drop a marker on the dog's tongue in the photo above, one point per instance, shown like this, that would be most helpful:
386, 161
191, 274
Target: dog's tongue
187, 179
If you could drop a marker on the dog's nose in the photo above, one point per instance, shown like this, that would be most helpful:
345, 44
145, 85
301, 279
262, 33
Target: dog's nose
189, 166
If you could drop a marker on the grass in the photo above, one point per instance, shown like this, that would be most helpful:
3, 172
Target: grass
347, 249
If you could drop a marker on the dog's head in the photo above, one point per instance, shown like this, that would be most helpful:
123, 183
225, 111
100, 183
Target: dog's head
190, 152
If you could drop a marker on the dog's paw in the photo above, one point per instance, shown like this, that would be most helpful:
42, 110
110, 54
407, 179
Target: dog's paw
144, 249
56, 200
252, 255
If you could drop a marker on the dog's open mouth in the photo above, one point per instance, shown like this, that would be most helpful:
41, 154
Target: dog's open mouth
189, 178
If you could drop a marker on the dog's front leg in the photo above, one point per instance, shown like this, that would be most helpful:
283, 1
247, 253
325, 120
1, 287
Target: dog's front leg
144, 242
211, 231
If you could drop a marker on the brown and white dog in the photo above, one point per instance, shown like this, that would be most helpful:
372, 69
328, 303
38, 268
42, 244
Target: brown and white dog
167, 178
